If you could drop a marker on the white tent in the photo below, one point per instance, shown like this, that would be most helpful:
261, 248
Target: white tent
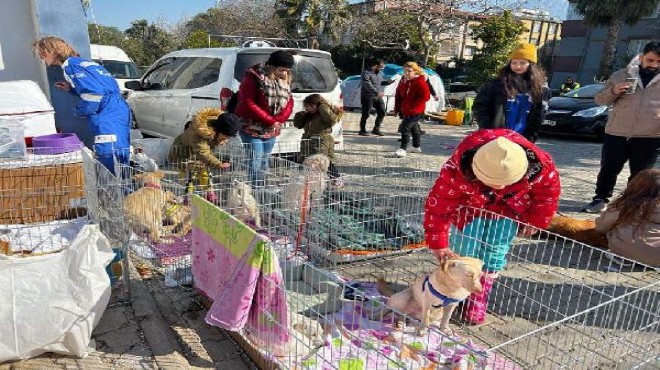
350, 89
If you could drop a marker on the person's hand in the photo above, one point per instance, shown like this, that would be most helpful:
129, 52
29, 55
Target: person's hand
224, 165
621, 88
381, 94
436, 98
527, 231
63, 85
443, 254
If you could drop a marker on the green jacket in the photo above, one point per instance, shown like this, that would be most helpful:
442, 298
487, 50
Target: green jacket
317, 138
196, 144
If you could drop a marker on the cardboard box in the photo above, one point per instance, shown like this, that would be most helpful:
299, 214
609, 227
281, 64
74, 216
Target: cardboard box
39, 193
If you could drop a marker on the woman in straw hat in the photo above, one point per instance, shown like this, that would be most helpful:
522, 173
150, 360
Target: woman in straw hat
517, 99
495, 173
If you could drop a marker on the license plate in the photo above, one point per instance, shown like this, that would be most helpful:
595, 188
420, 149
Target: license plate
549, 123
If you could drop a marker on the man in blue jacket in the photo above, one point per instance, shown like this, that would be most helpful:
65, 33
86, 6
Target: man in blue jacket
100, 99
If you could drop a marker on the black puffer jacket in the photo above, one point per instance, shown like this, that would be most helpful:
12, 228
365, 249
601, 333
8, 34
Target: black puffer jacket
489, 105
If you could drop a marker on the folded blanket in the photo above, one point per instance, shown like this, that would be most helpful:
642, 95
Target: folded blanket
236, 267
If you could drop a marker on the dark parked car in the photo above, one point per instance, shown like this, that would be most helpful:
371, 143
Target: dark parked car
576, 114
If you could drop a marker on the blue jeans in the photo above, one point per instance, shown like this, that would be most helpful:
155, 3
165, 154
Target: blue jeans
257, 151
487, 239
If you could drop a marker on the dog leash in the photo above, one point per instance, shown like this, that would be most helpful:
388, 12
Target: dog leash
303, 220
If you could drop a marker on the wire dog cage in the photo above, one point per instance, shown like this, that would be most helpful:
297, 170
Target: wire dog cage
558, 304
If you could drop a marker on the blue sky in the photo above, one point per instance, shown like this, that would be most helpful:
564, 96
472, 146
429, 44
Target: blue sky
120, 13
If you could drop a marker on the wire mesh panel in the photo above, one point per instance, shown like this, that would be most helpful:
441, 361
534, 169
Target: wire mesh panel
556, 304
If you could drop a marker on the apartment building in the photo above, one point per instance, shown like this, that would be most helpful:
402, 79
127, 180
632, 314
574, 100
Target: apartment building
581, 47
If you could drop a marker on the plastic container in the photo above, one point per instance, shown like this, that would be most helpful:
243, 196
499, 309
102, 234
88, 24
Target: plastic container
55, 144
455, 117
155, 148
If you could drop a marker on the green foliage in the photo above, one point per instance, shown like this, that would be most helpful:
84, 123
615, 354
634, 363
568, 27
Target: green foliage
104, 35
315, 19
200, 39
155, 41
605, 12
499, 35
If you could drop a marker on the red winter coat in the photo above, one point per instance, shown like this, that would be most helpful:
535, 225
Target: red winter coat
411, 96
253, 106
531, 200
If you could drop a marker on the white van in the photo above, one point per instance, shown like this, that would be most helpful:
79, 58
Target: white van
180, 83
115, 60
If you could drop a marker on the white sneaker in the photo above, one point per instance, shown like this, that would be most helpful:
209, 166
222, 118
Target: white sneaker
415, 150
400, 153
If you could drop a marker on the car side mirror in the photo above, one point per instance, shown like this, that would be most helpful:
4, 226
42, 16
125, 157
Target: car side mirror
133, 85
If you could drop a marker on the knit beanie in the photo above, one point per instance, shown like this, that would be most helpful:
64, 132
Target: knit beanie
500, 162
229, 124
525, 51
280, 58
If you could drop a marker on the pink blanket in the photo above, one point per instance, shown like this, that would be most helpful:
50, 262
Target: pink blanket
237, 269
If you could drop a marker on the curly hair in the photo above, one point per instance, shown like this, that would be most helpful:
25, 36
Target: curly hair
55, 46
639, 200
316, 99
534, 79
415, 67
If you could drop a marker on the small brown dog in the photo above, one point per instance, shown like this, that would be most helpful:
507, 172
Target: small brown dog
582, 231
177, 218
144, 208
452, 282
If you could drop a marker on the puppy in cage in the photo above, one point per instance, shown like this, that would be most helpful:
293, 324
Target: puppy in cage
143, 209
494, 170
242, 204
309, 185
441, 290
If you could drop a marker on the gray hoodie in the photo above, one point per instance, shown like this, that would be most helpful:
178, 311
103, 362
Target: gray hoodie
370, 83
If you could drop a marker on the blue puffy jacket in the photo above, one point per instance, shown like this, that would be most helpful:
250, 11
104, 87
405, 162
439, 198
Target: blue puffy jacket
102, 103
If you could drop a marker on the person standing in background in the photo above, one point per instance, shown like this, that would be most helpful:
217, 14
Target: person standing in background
371, 96
517, 99
264, 104
569, 85
632, 132
410, 104
100, 99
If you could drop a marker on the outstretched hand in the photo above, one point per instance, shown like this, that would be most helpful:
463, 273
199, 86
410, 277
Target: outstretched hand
443, 254
63, 85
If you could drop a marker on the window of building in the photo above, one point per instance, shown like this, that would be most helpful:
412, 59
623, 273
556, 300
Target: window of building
536, 26
553, 29
533, 40
635, 46
469, 51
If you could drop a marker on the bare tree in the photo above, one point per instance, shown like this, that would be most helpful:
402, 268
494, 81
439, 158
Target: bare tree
438, 20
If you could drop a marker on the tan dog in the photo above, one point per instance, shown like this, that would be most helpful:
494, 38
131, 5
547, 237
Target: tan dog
177, 218
310, 184
241, 203
452, 282
143, 209
582, 231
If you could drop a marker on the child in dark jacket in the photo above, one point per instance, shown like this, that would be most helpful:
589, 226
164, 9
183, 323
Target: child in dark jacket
494, 170
317, 120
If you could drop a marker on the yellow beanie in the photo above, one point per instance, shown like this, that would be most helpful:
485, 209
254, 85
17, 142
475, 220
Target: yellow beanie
500, 162
525, 51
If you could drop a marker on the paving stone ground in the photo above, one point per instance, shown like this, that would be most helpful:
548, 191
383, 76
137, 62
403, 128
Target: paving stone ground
164, 327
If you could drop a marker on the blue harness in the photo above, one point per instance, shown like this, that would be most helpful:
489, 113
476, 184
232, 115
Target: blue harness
445, 300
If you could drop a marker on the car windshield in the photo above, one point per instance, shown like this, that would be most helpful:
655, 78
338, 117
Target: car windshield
588, 91
311, 73
120, 69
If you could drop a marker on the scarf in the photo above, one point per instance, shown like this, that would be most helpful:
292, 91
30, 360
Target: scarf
277, 93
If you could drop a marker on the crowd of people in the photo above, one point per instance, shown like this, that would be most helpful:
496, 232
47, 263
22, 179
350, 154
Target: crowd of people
497, 168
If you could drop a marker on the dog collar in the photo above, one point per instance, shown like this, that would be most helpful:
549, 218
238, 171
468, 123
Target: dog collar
155, 186
171, 210
445, 300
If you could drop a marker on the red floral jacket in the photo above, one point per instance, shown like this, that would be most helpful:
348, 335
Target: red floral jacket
532, 200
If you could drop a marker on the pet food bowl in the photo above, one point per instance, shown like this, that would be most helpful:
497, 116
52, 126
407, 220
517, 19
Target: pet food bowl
55, 144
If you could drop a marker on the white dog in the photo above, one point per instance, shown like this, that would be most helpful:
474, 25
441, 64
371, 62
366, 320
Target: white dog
452, 282
310, 184
242, 205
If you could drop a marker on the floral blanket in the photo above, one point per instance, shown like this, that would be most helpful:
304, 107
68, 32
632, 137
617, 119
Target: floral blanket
236, 268
359, 343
